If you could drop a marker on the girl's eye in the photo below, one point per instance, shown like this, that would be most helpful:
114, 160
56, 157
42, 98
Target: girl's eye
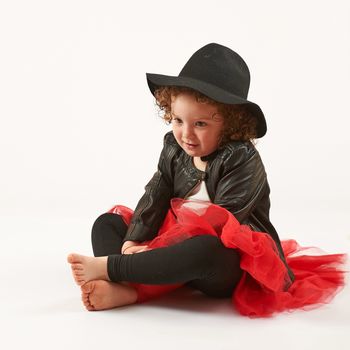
200, 124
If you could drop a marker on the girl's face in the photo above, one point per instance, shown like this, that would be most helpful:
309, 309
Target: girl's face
197, 127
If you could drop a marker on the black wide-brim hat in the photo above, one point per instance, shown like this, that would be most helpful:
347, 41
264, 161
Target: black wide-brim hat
217, 72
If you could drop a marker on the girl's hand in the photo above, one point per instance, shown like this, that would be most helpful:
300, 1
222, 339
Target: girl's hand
131, 247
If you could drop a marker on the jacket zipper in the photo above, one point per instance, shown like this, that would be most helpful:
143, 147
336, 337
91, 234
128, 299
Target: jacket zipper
140, 213
197, 183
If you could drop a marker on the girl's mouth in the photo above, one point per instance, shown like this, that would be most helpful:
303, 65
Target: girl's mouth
190, 145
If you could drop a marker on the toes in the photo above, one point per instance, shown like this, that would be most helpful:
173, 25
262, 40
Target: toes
71, 258
74, 258
88, 287
87, 304
86, 301
79, 280
90, 308
86, 290
78, 276
77, 267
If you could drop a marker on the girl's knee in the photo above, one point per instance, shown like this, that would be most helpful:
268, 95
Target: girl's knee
207, 246
100, 221
208, 251
103, 219
106, 220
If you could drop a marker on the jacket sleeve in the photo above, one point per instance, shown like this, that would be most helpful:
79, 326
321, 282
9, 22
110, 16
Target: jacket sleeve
242, 182
155, 202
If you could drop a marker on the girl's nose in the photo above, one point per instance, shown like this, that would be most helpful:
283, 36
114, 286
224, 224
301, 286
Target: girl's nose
187, 132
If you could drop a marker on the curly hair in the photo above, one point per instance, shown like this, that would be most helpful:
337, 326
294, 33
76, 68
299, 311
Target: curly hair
239, 122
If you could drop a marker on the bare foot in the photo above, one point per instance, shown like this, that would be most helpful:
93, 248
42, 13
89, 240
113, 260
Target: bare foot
103, 295
87, 268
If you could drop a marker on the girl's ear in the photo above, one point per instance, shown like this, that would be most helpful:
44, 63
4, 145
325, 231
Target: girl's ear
168, 118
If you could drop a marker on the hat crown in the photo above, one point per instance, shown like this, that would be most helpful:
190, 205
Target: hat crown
218, 72
220, 66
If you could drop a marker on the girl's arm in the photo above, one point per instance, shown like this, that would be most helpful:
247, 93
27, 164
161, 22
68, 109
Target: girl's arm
154, 204
243, 182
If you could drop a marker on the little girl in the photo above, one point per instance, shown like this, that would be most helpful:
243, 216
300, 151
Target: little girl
203, 220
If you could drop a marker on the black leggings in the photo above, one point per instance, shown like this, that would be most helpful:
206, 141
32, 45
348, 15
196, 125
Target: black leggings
201, 262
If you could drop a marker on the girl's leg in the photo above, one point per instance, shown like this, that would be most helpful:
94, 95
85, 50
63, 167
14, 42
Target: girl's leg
108, 232
201, 262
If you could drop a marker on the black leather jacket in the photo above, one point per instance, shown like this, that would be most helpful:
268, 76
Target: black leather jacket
235, 179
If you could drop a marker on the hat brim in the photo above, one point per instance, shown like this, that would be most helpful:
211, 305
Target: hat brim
156, 80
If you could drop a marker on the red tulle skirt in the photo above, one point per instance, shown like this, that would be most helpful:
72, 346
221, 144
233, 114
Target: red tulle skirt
265, 287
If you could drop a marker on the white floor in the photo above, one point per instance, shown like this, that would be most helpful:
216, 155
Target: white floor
41, 307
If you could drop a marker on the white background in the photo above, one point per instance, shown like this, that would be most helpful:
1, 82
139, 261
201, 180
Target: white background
80, 133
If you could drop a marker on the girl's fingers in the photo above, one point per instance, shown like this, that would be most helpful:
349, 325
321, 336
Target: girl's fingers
142, 250
136, 249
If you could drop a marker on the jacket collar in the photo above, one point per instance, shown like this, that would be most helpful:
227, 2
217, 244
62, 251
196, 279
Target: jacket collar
210, 156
